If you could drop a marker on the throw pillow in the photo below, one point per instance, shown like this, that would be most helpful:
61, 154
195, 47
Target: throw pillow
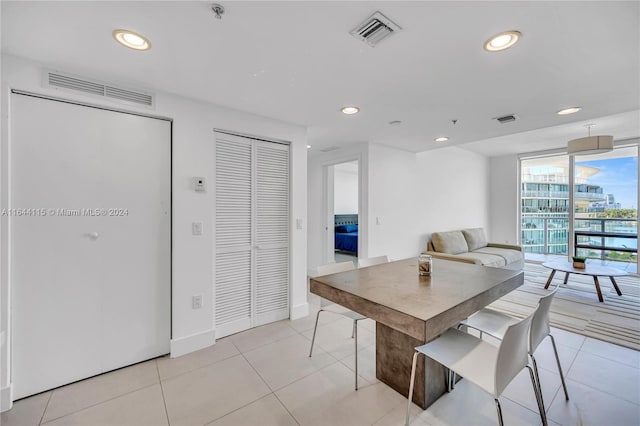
451, 242
475, 238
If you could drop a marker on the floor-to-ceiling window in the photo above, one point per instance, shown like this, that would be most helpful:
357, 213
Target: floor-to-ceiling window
545, 204
604, 210
606, 205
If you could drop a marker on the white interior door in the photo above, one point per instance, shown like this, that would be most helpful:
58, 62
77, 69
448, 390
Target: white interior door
90, 253
252, 233
272, 232
234, 238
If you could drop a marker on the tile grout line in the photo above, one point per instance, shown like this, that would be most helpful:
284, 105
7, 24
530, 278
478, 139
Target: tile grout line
250, 402
603, 391
198, 368
101, 402
264, 344
164, 400
45, 408
609, 359
403, 403
589, 386
286, 408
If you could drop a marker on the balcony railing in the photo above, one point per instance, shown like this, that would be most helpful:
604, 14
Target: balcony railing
607, 238
601, 238
564, 195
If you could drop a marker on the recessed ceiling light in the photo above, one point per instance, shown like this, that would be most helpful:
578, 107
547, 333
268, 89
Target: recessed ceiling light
441, 139
350, 110
567, 111
502, 41
131, 40
308, 146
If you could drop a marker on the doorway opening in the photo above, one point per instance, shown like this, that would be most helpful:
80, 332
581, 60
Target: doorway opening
342, 212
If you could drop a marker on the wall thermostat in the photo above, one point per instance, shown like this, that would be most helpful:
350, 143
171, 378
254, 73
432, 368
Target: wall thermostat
200, 184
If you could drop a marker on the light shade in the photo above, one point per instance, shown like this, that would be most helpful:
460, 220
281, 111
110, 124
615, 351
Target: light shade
590, 145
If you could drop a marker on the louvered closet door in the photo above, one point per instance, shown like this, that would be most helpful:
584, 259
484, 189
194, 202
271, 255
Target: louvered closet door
272, 232
252, 233
233, 234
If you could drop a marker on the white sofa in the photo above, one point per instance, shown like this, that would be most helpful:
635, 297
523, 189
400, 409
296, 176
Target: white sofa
471, 246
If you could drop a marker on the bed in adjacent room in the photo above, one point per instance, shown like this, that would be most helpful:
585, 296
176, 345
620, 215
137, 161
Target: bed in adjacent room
346, 233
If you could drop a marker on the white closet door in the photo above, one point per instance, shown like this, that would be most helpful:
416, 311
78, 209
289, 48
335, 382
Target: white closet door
233, 234
252, 233
90, 293
272, 232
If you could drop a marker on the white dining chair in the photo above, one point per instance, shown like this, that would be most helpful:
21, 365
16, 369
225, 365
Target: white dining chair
489, 367
495, 324
334, 268
370, 261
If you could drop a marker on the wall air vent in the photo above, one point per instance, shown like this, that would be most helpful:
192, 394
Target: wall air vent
506, 118
79, 84
375, 29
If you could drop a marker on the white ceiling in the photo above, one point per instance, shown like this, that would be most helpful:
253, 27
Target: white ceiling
296, 62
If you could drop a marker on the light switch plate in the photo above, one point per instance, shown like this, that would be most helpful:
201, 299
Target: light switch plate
200, 184
196, 228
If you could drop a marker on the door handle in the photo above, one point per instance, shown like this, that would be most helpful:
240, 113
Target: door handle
93, 235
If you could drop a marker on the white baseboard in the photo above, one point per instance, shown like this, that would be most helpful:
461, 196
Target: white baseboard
6, 401
299, 311
194, 342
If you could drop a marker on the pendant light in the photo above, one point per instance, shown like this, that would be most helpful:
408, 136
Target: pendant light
590, 144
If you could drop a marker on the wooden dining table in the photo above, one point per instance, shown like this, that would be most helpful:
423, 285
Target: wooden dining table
411, 310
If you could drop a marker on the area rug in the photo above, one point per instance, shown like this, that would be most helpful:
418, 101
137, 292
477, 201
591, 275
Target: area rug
576, 308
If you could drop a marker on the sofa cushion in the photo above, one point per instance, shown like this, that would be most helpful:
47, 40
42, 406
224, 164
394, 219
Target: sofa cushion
510, 256
475, 238
486, 259
451, 242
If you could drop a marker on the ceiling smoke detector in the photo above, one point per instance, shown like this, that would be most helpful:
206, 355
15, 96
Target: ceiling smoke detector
217, 10
374, 29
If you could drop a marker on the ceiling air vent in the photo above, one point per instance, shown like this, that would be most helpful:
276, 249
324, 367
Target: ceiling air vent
506, 118
375, 29
329, 149
78, 84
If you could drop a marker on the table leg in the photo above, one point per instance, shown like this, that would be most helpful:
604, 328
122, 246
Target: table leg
394, 353
553, 272
615, 285
597, 283
566, 278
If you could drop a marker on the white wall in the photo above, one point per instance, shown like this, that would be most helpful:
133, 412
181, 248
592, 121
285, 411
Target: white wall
454, 191
394, 203
406, 197
193, 155
346, 191
504, 199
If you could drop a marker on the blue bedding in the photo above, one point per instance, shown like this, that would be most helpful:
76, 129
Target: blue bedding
347, 241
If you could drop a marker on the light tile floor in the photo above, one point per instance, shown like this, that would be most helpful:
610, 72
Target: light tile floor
265, 377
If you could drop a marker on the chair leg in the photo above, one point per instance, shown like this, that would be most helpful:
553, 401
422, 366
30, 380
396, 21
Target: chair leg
537, 377
555, 351
538, 392
413, 377
313, 339
500, 421
355, 332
